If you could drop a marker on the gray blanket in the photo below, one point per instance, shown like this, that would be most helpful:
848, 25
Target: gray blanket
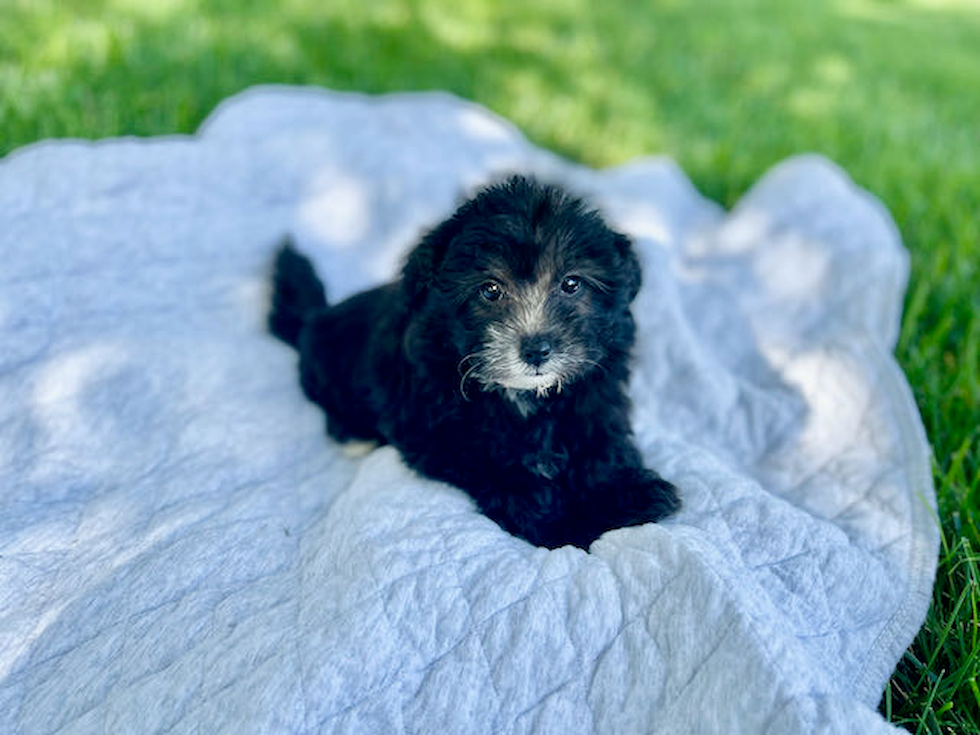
182, 549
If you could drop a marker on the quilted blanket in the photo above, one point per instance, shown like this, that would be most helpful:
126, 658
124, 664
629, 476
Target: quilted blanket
182, 549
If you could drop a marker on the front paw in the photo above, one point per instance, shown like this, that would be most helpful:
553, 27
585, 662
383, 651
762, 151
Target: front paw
642, 496
637, 497
647, 498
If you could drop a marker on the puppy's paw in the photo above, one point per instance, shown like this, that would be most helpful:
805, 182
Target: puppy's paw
355, 448
638, 496
645, 497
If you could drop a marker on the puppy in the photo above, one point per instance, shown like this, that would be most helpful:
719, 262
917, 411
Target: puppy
497, 362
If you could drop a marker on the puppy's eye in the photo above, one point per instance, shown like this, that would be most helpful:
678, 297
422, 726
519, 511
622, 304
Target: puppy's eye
491, 291
571, 284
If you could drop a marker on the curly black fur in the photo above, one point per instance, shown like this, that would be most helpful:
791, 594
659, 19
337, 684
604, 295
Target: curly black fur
497, 362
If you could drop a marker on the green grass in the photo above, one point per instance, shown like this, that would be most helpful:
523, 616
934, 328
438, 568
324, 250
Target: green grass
887, 89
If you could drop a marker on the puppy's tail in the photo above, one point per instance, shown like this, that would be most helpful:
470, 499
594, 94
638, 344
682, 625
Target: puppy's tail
296, 291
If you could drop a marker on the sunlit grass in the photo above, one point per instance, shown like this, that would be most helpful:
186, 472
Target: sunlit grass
886, 88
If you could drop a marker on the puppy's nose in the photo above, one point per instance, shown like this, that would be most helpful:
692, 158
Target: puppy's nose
535, 350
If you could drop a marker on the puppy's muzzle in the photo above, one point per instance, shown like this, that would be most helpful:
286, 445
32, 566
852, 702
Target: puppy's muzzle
536, 349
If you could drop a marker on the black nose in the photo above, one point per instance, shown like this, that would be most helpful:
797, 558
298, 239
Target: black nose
535, 350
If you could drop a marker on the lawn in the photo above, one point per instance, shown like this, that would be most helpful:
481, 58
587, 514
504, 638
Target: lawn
887, 89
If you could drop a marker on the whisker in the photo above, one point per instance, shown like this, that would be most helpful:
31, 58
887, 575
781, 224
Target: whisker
593, 362
462, 382
597, 282
463, 359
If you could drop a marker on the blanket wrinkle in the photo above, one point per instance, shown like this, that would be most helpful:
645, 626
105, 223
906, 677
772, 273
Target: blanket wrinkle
182, 549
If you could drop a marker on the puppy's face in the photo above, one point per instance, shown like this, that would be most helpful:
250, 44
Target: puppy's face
529, 289
533, 325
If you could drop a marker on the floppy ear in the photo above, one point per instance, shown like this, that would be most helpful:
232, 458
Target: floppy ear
423, 262
629, 266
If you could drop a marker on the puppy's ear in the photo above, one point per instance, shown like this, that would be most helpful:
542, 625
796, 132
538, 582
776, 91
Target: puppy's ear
423, 262
629, 266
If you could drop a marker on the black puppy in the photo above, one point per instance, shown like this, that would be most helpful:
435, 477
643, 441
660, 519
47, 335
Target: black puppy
497, 362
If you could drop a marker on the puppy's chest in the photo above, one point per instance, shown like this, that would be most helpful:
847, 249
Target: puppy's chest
544, 450
522, 402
